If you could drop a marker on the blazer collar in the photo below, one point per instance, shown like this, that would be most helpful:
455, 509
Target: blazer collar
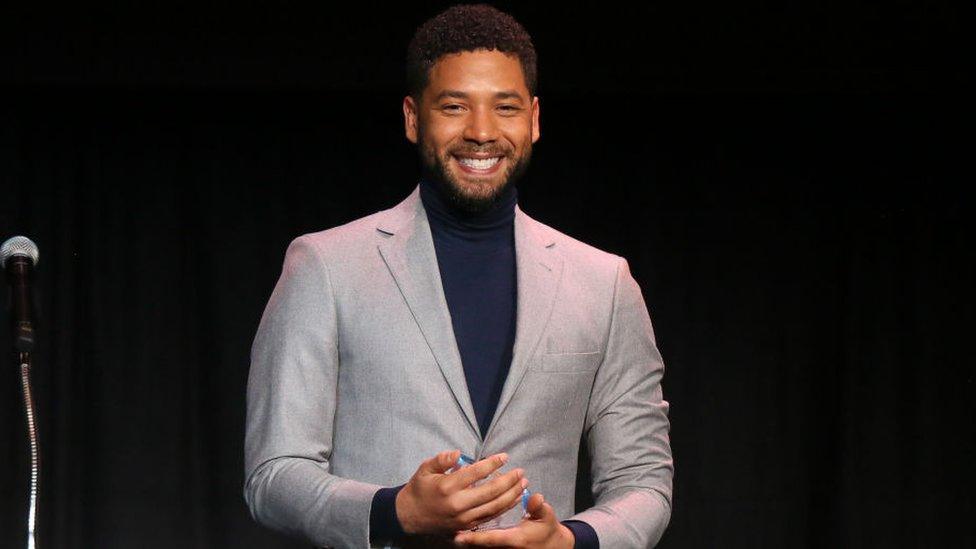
407, 248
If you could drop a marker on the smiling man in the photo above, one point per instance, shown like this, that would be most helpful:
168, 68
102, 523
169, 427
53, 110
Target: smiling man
474, 122
453, 323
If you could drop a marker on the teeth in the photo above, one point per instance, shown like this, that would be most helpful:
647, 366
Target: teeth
479, 163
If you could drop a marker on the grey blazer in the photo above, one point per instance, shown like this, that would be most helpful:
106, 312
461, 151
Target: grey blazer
356, 378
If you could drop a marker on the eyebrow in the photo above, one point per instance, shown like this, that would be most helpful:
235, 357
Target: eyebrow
457, 94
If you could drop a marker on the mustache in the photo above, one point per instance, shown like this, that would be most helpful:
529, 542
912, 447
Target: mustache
492, 151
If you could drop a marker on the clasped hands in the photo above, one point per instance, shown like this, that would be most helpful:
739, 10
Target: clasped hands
435, 502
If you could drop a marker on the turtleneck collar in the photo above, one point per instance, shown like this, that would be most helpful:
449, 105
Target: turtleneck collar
449, 224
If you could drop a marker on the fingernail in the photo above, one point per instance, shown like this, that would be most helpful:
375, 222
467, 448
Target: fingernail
525, 483
503, 457
519, 473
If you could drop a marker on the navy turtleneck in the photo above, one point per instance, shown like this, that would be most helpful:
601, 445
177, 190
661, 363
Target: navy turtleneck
476, 259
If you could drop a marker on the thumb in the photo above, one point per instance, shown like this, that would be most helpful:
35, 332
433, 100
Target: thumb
441, 462
538, 508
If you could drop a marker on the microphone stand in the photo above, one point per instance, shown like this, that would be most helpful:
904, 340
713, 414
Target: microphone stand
24, 358
18, 255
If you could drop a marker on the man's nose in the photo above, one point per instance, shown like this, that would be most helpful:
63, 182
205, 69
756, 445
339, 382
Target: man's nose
482, 126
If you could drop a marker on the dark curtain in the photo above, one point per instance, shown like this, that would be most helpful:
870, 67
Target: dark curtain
804, 249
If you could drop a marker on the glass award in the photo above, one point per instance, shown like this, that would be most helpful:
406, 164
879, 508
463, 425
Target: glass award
507, 519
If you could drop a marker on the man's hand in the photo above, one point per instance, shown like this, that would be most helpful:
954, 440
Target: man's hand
539, 530
436, 502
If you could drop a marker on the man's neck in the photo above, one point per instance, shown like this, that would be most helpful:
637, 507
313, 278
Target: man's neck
447, 219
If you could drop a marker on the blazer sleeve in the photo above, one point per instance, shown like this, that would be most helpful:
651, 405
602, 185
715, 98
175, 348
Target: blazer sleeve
291, 399
626, 429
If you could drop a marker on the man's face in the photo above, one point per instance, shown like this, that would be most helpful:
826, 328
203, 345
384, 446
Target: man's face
474, 125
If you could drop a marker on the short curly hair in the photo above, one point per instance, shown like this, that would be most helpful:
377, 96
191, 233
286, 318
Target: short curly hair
468, 28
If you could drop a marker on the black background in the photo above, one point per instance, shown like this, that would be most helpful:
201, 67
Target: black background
789, 182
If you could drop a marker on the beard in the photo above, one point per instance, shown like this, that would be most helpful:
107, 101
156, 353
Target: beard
472, 198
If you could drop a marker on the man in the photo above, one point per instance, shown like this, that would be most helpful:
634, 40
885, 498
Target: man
454, 322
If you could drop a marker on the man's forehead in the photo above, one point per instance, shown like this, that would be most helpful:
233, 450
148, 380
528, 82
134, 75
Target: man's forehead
477, 71
462, 94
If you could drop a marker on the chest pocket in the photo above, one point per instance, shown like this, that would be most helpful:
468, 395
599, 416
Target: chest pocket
569, 362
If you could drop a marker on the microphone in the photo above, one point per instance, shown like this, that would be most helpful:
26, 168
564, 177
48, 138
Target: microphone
18, 255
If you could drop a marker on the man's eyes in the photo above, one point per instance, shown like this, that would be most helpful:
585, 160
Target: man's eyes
506, 109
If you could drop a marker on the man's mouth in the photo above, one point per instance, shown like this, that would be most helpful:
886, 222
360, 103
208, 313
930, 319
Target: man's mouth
479, 165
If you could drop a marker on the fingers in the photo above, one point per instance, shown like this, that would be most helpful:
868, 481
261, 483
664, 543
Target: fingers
492, 489
538, 508
542, 526
441, 462
510, 537
475, 472
497, 488
495, 503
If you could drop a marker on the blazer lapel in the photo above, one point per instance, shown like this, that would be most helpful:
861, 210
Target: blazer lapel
408, 251
539, 268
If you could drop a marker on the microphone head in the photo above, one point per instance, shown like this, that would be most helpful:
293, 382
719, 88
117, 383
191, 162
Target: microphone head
18, 246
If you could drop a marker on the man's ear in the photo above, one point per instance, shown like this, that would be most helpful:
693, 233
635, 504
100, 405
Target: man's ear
410, 118
535, 120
